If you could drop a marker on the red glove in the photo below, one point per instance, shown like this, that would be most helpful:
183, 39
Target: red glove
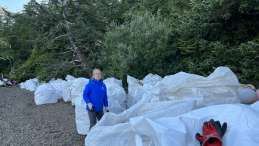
212, 133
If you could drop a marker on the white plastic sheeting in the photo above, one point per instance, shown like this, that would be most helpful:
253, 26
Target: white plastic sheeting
46, 94
59, 85
2, 83
81, 116
150, 80
172, 96
66, 92
77, 89
180, 130
137, 87
255, 106
135, 90
117, 103
70, 78
30, 85
247, 95
116, 95
220, 86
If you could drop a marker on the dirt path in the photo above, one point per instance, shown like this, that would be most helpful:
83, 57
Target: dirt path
22, 123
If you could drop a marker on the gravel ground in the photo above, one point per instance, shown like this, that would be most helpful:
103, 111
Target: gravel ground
22, 123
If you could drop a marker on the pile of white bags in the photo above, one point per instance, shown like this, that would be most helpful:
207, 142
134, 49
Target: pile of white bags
50, 92
180, 130
30, 85
158, 111
172, 96
45, 94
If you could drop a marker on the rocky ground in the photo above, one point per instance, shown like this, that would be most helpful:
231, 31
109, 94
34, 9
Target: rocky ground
22, 123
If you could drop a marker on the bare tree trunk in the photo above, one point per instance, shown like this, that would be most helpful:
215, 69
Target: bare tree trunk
80, 57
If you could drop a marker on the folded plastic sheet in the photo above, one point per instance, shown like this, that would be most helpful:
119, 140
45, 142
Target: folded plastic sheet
170, 97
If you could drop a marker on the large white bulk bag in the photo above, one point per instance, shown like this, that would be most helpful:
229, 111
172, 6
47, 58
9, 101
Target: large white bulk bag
70, 78
2, 83
150, 80
116, 95
181, 91
180, 130
255, 106
247, 95
30, 84
59, 85
45, 94
135, 90
66, 92
77, 88
81, 117
219, 87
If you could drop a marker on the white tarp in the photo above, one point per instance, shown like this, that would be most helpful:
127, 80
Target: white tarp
30, 84
150, 80
136, 87
77, 89
247, 95
70, 78
172, 96
45, 94
66, 92
59, 85
2, 83
81, 117
135, 90
116, 95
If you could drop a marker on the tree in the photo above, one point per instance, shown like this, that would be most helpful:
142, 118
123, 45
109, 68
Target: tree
139, 46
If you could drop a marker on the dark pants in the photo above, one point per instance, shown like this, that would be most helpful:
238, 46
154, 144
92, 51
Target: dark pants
94, 116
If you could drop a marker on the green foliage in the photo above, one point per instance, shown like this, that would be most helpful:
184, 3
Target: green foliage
131, 37
139, 46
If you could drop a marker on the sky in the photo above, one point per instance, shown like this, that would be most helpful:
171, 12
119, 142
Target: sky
14, 5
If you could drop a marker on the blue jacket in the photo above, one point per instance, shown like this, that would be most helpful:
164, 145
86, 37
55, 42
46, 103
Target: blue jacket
95, 92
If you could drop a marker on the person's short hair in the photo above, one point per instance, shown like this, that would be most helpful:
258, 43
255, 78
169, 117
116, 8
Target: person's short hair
97, 69
92, 73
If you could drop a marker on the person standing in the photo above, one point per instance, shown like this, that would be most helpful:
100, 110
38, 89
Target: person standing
95, 96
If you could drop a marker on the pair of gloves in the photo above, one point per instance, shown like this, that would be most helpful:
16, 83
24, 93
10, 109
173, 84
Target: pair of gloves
91, 107
212, 133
